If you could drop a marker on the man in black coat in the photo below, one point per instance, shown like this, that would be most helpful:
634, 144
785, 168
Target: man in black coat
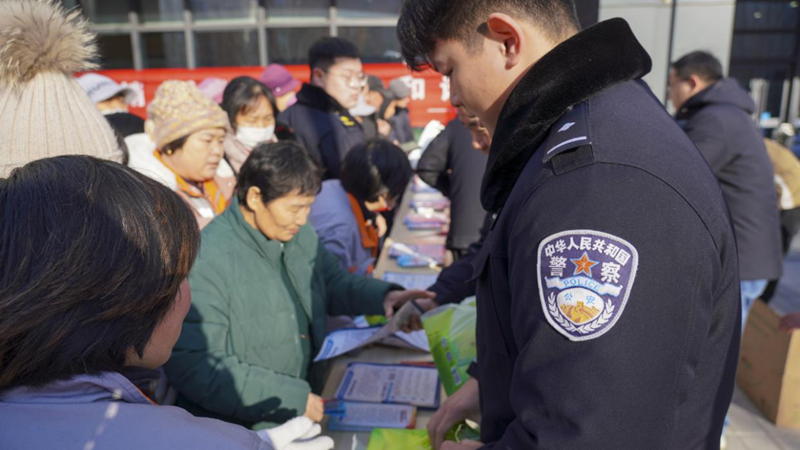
608, 288
715, 114
320, 118
452, 164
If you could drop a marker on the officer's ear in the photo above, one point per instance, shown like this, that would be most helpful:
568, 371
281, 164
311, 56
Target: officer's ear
318, 77
508, 34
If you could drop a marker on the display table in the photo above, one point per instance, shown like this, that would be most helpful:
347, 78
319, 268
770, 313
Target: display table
382, 354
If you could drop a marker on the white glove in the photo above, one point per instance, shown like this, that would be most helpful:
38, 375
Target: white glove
299, 433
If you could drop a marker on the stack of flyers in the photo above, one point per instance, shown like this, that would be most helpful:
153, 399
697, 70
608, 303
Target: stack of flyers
425, 222
422, 252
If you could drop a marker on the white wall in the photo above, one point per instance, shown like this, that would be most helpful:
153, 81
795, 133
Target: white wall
699, 25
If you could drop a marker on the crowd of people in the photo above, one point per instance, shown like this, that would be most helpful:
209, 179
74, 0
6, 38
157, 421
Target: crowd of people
166, 281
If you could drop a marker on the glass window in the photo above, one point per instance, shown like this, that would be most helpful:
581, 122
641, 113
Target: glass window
773, 73
290, 45
115, 51
211, 10
769, 15
377, 44
160, 11
297, 9
104, 12
763, 45
228, 48
369, 8
163, 50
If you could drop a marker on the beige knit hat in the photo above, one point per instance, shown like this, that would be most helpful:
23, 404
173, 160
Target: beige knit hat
43, 110
180, 109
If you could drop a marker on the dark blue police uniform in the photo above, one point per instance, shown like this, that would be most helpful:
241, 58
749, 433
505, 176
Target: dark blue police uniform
608, 289
323, 126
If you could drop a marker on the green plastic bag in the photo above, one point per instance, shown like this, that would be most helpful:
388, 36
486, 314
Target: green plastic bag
451, 335
394, 439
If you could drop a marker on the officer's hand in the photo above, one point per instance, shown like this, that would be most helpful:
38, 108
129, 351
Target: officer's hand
395, 299
315, 408
790, 322
463, 404
464, 445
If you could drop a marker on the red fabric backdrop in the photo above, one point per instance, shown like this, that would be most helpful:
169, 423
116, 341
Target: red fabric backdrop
430, 92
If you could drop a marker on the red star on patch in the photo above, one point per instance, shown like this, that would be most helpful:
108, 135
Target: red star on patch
584, 264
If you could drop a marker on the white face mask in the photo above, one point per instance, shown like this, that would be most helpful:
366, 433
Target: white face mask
251, 137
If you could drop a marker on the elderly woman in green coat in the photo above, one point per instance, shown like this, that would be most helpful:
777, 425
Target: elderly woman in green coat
262, 288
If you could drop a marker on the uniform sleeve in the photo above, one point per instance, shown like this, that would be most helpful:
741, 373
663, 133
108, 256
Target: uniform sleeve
432, 166
203, 370
706, 130
455, 282
620, 388
349, 294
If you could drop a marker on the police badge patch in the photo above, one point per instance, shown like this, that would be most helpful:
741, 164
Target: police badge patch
585, 278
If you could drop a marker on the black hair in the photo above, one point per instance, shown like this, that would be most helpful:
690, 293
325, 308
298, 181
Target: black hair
277, 169
243, 94
374, 168
423, 22
703, 64
93, 255
175, 145
323, 53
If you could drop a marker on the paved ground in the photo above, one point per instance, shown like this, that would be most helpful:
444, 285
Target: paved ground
749, 429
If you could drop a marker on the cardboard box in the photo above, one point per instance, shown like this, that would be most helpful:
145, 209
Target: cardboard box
769, 367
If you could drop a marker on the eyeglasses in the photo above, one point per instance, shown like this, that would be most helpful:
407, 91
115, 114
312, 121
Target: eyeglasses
353, 80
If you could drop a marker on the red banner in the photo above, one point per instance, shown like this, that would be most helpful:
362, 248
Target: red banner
430, 92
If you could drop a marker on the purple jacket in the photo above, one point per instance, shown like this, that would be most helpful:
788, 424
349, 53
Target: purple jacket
108, 412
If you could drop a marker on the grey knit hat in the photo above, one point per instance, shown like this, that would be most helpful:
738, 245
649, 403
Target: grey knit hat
43, 110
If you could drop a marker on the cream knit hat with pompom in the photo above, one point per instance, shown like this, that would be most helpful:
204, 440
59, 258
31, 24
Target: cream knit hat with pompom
43, 110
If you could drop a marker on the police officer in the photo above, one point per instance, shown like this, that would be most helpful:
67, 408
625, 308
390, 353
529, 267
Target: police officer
608, 285
320, 118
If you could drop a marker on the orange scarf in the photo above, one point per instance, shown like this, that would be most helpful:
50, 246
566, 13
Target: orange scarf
210, 191
367, 230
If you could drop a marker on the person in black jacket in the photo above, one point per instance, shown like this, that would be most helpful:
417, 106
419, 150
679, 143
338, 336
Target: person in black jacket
320, 118
715, 113
608, 288
401, 119
452, 164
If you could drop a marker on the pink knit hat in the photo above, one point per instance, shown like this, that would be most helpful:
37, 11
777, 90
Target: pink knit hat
180, 109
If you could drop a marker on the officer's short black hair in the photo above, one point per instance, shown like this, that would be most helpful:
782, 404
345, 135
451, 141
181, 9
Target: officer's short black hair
242, 95
323, 53
278, 169
374, 168
423, 22
703, 64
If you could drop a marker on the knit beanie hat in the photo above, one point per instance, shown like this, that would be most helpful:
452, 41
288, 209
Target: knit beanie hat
43, 110
180, 109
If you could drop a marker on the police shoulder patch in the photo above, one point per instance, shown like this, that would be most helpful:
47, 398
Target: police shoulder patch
585, 278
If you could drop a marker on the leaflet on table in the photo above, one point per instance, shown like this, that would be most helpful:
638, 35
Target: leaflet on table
434, 251
366, 416
401, 317
420, 186
390, 383
342, 341
411, 280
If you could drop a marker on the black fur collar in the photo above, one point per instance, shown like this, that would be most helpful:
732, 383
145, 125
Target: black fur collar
316, 97
576, 70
